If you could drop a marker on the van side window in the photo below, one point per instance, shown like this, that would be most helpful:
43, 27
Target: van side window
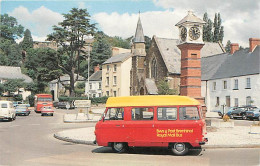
4, 105
115, 114
189, 113
167, 113
142, 113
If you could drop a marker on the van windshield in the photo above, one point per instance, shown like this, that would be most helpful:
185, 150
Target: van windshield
44, 99
189, 113
4, 105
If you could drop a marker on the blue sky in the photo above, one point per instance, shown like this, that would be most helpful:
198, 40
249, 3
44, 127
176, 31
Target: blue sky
240, 18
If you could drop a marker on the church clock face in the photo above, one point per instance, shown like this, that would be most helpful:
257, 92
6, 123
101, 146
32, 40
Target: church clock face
183, 33
194, 33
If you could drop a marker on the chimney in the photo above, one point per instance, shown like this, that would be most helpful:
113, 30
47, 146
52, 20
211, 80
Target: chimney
234, 47
253, 42
96, 68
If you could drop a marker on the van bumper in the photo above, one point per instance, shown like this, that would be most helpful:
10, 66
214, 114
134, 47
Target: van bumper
204, 141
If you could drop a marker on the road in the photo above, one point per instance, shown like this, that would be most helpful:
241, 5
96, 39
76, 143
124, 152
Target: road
29, 141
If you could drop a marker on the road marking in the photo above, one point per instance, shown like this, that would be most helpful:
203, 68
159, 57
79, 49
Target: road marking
35, 124
14, 125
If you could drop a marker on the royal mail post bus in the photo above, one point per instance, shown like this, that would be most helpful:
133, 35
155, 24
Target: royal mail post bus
152, 121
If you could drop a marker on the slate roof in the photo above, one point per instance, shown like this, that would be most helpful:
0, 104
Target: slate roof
241, 63
171, 54
190, 18
118, 58
97, 76
151, 86
10, 72
139, 34
66, 78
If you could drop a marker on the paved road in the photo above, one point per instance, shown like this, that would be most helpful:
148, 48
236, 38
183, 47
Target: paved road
28, 141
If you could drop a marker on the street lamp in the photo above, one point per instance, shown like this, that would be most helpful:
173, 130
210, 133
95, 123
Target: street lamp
89, 40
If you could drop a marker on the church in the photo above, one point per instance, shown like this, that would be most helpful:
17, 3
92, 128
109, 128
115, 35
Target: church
190, 66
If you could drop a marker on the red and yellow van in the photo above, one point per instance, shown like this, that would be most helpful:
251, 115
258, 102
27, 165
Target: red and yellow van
152, 121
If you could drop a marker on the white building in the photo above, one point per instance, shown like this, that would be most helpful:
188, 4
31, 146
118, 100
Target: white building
232, 79
94, 88
11, 72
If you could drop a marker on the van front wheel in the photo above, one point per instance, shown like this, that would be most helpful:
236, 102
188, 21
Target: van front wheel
119, 147
180, 148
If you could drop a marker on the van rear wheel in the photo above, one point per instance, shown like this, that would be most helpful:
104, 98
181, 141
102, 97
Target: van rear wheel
180, 148
119, 147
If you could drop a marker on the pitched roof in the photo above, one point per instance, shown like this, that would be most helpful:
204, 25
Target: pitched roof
66, 78
171, 54
118, 58
190, 18
151, 86
11, 72
241, 63
97, 76
139, 35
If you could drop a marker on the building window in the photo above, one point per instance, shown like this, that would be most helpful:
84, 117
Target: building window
94, 95
107, 68
115, 80
99, 94
224, 84
217, 101
90, 85
248, 83
114, 93
236, 102
107, 81
154, 68
115, 68
228, 101
107, 93
99, 85
214, 86
248, 100
236, 84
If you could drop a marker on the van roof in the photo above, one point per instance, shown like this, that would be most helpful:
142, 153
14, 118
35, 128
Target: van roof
152, 100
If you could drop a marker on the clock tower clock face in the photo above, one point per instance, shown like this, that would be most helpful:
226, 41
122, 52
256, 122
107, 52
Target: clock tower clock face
183, 33
194, 33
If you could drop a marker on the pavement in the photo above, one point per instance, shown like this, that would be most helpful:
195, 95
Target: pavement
222, 136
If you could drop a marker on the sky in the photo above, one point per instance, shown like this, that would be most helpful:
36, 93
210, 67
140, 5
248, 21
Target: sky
240, 18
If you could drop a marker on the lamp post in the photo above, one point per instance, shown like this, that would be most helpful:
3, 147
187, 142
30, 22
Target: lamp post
89, 40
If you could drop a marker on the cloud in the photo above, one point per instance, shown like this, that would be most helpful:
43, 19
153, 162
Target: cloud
39, 21
240, 18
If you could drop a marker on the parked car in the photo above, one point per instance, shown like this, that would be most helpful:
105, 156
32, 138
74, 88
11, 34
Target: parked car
22, 109
253, 114
63, 104
240, 112
16, 103
7, 111
47, 110
230, 110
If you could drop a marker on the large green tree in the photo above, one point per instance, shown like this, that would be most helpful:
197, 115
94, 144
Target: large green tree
27, 41
70, 35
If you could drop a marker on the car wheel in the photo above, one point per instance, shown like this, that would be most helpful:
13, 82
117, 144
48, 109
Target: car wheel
231, 117
180, 148
14, 117
27, 114
119, 147
51, 114
244, 117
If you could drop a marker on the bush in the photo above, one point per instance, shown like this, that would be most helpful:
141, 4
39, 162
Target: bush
96, 100
31, 100
18, 97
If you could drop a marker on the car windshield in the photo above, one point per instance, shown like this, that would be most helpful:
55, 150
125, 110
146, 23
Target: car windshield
4, 105
44, 99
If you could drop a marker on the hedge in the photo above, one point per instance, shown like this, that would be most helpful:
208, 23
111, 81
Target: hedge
96, 100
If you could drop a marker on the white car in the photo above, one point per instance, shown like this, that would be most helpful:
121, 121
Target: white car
7, 111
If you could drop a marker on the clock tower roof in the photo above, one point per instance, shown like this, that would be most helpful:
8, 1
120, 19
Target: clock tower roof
190, 18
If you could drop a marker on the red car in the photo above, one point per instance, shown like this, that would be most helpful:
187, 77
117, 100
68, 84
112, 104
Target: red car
47, 110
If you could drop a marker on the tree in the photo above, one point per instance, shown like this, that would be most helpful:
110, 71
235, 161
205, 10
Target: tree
9, 28
70, 36
218, 29
13, 85
228, 46
27, 41
207, 29
101, 51
164, 89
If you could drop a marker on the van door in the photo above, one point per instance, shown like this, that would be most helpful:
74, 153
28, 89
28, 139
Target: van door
141, 126
112, 128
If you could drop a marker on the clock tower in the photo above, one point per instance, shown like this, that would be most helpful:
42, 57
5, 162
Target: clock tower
190, 35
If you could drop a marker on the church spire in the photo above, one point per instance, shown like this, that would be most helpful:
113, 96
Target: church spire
139, 35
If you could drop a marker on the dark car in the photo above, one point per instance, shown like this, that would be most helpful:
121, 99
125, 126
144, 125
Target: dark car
240, 112
230, 110
63, 105
253, 114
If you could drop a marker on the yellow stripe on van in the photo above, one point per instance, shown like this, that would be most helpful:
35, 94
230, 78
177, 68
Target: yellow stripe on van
152, 100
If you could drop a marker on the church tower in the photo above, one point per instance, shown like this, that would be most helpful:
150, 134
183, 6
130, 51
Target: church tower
191, 42
138, 61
